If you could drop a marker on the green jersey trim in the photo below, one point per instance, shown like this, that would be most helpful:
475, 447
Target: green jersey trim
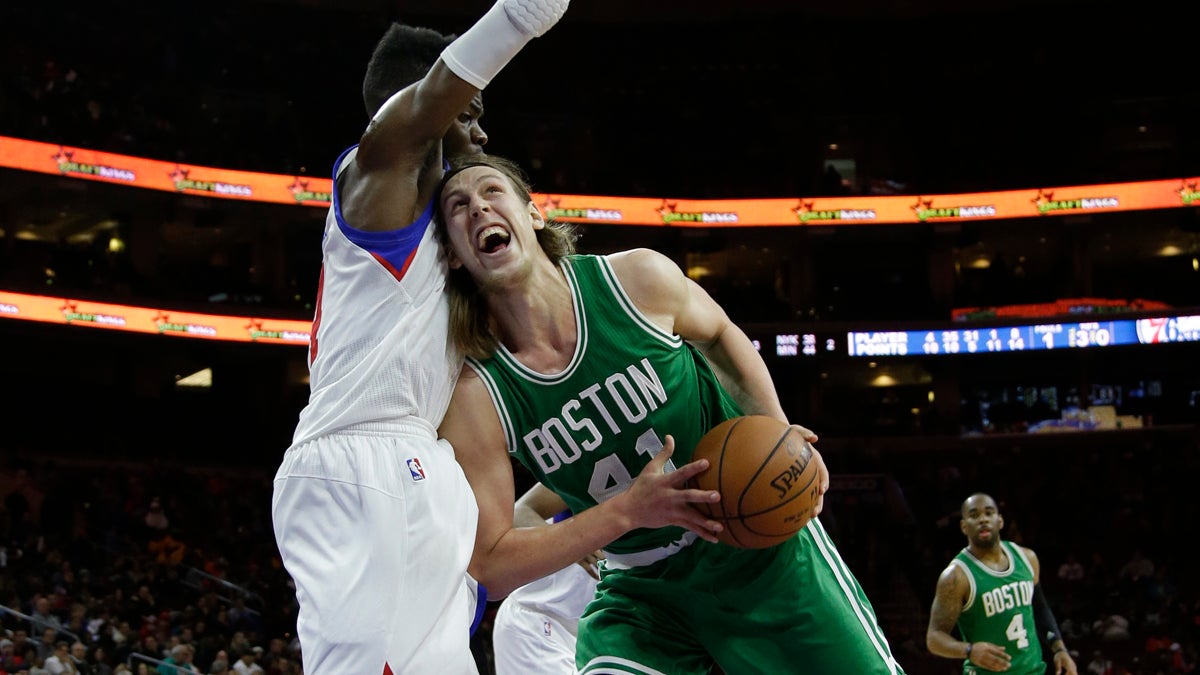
581, 341
510, 434
631, 309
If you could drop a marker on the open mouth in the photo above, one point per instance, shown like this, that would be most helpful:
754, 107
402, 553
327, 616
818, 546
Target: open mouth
493, 239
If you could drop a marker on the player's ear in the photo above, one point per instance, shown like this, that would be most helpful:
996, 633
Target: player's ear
962, 525
999, 522
539, 219
452, 258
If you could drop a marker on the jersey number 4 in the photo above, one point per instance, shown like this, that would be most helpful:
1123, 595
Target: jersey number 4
1016, 631
610, 477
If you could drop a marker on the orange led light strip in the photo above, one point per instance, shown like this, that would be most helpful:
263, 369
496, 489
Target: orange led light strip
106, 316
590, 209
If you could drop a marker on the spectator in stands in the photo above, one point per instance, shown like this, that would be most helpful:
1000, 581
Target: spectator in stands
170, 642
221, 621
238, 644
37, 664
1163, 587
95, 623
1072, 627
167, 550
1137, 572
247, 663
276, 648
180, 660
60, 662
43, 617
10, 661
1184, 658
156, 519
285, 666
45, 648
1157, 640
148, 645
1100, 664
20, 642
78, 655
1071, 570
143, 604
76, 624
1111, 626
241, 617
99, 658
117, 640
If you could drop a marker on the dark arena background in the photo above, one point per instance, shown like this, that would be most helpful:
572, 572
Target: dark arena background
964, 236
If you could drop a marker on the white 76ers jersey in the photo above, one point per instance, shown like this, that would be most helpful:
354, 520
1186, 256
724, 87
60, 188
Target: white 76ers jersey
379, 357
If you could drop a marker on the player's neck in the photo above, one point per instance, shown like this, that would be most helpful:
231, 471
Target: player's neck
537, 323
993, 556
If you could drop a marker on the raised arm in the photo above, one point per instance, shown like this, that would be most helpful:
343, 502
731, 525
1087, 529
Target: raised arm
399, 160
507, 556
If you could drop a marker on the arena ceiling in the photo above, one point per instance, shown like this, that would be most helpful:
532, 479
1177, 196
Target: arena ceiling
67, 210
706, 10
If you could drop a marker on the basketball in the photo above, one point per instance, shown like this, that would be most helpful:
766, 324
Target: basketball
767, 482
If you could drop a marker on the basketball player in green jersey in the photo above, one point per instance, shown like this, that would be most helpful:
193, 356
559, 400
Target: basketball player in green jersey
594, 370
990, 591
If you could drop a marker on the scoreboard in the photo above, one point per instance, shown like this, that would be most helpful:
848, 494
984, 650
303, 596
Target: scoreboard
938, 341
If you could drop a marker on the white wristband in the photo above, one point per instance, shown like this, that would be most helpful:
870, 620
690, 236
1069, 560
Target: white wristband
478, 54
534, 17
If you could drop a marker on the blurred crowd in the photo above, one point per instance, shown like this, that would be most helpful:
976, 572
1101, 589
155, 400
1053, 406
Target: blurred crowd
128, 568
146, 566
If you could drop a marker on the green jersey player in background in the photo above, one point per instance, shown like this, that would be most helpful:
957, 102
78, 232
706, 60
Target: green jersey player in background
990, 591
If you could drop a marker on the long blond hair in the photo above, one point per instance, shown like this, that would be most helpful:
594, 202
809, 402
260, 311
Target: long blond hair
470, 321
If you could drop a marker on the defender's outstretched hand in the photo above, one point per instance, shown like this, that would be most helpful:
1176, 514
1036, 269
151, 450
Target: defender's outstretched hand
590, 563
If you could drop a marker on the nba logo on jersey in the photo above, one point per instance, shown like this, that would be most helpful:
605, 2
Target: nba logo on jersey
414, 468
546, 628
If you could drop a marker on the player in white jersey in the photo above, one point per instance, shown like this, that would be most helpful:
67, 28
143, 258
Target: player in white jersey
535, 626
373, 517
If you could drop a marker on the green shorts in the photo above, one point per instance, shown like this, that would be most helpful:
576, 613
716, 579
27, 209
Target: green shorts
791, 608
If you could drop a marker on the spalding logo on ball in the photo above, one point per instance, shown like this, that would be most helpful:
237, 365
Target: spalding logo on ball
768, 482
791, 479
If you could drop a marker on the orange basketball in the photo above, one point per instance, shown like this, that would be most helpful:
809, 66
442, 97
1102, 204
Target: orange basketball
767, 482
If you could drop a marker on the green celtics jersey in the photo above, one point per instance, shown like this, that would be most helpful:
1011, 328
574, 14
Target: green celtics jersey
1000, 610
588, 431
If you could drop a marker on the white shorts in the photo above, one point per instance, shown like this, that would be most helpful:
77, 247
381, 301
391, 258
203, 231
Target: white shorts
535, 627
376, 532
528, 642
